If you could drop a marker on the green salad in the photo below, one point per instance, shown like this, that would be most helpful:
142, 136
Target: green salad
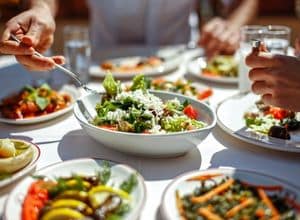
139, 111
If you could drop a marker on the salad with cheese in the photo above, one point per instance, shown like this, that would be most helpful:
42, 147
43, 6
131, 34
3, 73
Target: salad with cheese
139, 111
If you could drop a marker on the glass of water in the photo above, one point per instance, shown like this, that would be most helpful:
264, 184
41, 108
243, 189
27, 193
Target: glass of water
77, 50
248, 33
277, 39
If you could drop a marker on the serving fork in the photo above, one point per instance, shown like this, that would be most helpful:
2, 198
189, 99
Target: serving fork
63, 69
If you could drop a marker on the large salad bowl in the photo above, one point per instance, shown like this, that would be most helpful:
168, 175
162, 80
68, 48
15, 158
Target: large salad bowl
151, 145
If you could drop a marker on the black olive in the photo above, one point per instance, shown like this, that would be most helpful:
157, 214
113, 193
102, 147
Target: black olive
279, 132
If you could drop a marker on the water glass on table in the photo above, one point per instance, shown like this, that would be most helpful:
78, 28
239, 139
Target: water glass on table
248, 34
277, 39
77, 50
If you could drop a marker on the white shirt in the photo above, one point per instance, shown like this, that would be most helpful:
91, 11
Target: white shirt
139, 22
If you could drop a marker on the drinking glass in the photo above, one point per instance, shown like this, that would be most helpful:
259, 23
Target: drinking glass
277, 39
77, 50
248, 33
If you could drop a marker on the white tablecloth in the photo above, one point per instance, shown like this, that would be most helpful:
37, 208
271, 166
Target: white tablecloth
63, 139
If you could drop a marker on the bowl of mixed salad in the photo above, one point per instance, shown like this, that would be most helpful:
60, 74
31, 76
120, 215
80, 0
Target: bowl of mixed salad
142, 121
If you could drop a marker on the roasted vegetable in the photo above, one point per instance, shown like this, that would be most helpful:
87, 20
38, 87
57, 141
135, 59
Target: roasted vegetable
78, 197
221, 197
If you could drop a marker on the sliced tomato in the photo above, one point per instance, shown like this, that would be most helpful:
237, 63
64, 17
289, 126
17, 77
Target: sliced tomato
278, 113
205, 94
191, 112
109, 127
34, 201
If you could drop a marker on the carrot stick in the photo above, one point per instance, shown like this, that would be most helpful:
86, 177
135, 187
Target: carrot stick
213, 192
267, 201
180, 206
239, 207
203, 177
208, 214
260, 213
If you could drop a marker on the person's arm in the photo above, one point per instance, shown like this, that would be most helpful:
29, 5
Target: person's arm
35, 28
222, 35
244, 14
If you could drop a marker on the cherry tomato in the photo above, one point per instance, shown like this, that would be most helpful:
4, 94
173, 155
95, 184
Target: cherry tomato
190, 111
109, 127
205, 94
278, 113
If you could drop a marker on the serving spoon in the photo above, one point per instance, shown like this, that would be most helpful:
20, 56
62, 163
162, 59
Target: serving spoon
63, 69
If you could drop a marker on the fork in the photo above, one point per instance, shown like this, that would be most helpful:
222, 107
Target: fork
63, 69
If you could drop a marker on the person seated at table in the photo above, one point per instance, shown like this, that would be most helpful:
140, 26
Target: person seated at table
276, 78
147, 22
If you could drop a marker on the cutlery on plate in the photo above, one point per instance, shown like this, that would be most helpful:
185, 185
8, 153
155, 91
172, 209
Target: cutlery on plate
63, 69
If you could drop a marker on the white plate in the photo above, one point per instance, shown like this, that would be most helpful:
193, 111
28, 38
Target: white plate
68, 89
230, 114
25, 170
165, 67
86, 166
150, 145
195, 68
168, 206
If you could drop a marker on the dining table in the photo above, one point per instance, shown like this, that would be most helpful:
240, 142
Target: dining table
63, 139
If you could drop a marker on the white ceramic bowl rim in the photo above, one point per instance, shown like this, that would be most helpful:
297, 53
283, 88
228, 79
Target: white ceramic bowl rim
208, 127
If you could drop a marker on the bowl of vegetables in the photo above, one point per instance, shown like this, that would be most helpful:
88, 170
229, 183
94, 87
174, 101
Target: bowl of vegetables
78, 189
144, 122
229, 194
17, 159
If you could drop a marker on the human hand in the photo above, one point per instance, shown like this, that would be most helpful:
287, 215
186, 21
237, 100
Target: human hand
217, 36
35, 28
276, 78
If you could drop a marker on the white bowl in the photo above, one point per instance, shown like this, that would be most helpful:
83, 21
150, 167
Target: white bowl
151, 145
15, 162
86, 166
168, 209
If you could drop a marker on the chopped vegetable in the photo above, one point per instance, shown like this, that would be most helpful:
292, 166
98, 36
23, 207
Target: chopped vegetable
111, 86
179, 86
139, 111
272, 121
129, 184
219, 197
191, 112
78, 197
224, 66
32, 102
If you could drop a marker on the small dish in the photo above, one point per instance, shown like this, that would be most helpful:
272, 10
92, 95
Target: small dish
22, 167
67, 89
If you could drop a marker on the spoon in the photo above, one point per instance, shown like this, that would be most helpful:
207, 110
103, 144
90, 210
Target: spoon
63, 69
